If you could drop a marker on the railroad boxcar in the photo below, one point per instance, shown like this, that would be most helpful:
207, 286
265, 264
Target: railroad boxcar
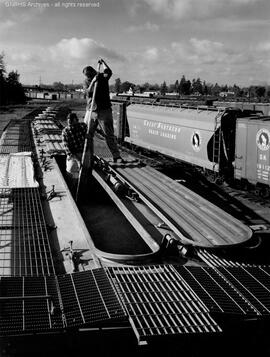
252, 152
224, 143
201, 136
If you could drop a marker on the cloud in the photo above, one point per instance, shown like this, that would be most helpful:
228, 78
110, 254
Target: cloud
82, 50
198, 9
212, 61
200, 51
13, 13
28, 56
263, 47
6, 25
243, 25
148, 26
151, 54
59, 61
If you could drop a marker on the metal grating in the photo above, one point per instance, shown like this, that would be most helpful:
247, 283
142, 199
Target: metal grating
7, 149
24, 243
44, 121
15, 141
17, 127
29, 305
160, 302
17, 171
215, 291
213, 260
88, 297
253, 283
52, 137
54, 147
217, 260
45, 304
16, 137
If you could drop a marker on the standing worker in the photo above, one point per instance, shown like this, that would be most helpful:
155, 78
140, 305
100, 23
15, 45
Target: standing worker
102, 108
73, 137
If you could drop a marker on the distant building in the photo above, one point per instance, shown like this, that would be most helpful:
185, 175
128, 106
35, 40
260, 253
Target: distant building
150, 93
130, 91
173, 94
227, 94
49, 93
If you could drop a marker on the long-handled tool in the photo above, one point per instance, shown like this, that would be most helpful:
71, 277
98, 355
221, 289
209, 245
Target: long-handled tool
87, 154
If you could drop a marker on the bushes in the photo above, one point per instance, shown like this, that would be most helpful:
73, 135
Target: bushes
11, 90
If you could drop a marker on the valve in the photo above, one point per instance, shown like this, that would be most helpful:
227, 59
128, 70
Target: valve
118, 186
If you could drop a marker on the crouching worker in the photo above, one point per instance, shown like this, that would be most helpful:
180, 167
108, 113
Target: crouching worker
73, 138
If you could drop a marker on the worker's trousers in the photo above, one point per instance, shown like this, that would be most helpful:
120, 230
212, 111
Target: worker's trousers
73, 165
105, 120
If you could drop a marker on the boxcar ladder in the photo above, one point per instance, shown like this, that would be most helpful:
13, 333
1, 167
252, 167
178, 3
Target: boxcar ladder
217, 141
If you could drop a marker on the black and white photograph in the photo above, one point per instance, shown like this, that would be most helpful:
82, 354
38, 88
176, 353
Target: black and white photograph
134, 178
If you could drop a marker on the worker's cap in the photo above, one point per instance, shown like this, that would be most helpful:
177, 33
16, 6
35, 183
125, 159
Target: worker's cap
90, 70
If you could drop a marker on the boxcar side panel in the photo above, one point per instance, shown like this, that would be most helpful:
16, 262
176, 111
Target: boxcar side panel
262, 140
176, 137
240, 149
253, 150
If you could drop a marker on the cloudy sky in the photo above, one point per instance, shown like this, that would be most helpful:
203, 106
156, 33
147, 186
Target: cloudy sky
224, 41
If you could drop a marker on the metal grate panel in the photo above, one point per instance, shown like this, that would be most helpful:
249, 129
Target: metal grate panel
17, 171
253, 283
54, 146
52, 137
24, 243
13, 135
88, 297
16, 137
29, 305
160, 302
19, 141
8, 149
215, 291
213, 260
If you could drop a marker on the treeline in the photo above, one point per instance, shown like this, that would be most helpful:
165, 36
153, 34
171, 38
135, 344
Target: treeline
11, 90
194, 87
61, 87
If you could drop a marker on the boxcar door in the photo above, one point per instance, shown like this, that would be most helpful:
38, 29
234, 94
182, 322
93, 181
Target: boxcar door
240, 149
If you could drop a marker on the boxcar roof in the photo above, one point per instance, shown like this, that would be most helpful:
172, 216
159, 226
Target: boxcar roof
255, 120
195, 118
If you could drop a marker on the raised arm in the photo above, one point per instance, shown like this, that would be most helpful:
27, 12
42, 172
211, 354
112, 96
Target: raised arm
106, 69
